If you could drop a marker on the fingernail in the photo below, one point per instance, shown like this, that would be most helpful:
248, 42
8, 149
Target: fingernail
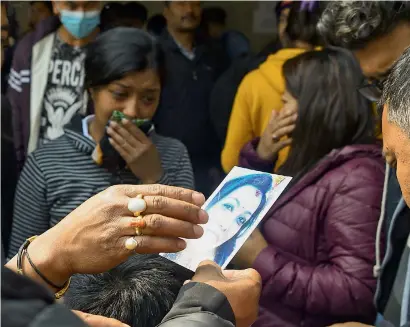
198, 231
203, 216
124, 121
198, 198
109, 130
181, 244
113, 123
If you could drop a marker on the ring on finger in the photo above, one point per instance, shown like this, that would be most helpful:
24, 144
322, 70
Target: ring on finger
139, 225
137, 205
131, 243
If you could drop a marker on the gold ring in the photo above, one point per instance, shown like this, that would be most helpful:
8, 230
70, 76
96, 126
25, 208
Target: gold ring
139, 225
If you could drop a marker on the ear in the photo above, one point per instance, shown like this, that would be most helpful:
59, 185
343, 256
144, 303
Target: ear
91, 92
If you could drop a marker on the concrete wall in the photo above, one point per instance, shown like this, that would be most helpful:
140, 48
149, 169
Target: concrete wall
240, 16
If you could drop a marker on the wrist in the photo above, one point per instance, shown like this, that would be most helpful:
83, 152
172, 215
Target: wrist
153, 178
48, 256
264, 152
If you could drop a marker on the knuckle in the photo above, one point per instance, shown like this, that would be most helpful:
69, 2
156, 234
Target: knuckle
141, 242
155, 221
179, 193
156, 189
159, 203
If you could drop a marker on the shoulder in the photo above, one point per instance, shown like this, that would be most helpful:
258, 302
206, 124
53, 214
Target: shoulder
53, 150
359, 170
26, 44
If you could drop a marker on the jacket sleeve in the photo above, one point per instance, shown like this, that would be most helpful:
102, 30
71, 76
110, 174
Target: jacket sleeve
31, 211
249, 158
18, 80
239, 127
344, 285
199, 305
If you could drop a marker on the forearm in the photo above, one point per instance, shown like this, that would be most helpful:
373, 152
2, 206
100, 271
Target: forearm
47, 257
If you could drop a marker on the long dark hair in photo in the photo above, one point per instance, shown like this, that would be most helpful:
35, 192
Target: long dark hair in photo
331, 111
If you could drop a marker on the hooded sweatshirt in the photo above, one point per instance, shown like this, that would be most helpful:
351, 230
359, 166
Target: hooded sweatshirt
392, 297
259, 93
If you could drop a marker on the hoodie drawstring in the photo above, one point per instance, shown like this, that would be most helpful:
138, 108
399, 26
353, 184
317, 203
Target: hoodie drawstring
376, 268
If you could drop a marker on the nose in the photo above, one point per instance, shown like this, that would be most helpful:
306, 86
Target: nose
224, 223
131, 108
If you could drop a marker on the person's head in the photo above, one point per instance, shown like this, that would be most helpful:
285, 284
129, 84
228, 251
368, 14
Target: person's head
138, 292
376, 31
396, 121
233, 211
134, 15
214, 21
79, 18
156, 25
183, 16
4, 31
123, 71
322, 87
40, 10
110, 15
297, 23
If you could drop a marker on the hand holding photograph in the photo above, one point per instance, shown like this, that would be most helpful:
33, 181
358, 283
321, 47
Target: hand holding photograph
235, 209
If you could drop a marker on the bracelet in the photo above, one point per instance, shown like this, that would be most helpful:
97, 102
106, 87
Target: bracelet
40, 274
23, 251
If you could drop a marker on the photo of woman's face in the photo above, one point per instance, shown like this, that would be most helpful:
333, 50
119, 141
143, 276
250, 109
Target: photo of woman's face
229, 214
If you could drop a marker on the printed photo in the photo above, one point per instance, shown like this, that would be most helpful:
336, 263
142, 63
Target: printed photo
235, 209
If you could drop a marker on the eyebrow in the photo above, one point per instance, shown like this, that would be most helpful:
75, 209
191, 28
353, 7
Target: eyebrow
122, 85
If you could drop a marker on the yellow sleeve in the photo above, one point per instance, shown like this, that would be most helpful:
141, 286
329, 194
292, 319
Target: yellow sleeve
240, 127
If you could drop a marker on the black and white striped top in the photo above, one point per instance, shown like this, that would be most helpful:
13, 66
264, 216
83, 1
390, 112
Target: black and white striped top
61, 175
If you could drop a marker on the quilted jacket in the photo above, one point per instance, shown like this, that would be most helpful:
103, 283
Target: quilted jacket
318, 267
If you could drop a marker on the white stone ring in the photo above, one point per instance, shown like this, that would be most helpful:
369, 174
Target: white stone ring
131, 243
137, 205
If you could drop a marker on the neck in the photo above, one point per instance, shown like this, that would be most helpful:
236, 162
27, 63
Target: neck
302, 45
74, 42
96, 131
185, 39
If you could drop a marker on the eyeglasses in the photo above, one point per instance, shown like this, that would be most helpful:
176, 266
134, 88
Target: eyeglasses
372, 90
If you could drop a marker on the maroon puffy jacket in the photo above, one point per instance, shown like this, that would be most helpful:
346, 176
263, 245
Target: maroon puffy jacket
318, 267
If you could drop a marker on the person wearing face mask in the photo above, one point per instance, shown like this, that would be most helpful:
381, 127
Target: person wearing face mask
46, 82
123, 75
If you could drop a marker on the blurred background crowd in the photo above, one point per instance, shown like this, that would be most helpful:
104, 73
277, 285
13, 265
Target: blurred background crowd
287, 87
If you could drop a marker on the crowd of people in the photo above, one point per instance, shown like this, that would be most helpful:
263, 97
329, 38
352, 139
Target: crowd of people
117, 125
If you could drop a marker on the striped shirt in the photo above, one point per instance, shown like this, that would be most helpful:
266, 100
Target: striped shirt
61, 175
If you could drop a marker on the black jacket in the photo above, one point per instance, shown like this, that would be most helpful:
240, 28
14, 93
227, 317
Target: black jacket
183, 112
27, 304
8, 172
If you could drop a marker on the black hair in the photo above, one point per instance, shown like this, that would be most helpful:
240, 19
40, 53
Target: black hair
352, 24
119, 51
109, 15
214, 15
156, 24
138, 292
48, 4
331, 111
302, 20
135, 10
